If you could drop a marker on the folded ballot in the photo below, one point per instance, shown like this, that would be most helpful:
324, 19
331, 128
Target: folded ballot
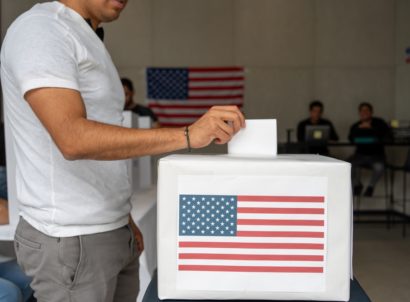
264, 227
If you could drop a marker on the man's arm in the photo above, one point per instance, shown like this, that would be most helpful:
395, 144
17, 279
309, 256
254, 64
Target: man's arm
4, 212
385, 132
333, 134
139, 238
301, 132
63, 114
352, 133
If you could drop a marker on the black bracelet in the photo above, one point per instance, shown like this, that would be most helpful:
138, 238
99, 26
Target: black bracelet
186, 133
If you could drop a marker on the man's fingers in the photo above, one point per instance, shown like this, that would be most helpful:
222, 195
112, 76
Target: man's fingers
228, 128
219, 124
140, 246
230, 114
139, 243
223, 134
240, 116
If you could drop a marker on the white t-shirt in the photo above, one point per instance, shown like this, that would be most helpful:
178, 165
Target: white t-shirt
53, 46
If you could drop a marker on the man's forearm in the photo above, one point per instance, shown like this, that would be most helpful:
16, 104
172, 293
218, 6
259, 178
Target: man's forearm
63, 113
93, 140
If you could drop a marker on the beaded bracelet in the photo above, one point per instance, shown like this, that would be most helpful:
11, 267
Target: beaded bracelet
186, 133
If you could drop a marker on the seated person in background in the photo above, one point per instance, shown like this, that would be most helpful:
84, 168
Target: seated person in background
134, 107
315, 119
368, 134
14, 284
4, 212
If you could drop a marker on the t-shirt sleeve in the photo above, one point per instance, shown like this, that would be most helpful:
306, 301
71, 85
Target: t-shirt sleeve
42, 54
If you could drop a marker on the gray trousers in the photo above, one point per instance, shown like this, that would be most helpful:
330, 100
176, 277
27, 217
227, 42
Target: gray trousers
100, 267
375, 163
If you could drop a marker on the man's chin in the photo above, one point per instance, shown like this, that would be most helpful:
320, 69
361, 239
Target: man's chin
111, 17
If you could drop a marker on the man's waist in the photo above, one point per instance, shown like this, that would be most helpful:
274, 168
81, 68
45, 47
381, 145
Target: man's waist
60, 230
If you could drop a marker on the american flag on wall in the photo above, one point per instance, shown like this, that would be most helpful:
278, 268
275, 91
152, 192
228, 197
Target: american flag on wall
251, 234
179, 96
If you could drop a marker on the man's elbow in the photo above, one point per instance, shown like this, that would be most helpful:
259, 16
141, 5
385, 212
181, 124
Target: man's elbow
71, 151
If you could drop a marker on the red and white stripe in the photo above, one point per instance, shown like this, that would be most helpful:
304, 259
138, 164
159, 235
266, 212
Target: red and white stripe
208, 86
275, 234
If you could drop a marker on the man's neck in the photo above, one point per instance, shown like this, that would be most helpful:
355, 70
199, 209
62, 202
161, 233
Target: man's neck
78, 6
368, 120
131, 105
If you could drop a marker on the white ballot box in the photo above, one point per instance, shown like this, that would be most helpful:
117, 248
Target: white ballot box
274, 228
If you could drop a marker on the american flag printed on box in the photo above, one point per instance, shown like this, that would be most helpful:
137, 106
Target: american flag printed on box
179, 96
274, 238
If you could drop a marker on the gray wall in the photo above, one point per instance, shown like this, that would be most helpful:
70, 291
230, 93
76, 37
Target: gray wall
340, 51
402, 69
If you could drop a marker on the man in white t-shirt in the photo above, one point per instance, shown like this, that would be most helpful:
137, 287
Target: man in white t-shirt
63, 103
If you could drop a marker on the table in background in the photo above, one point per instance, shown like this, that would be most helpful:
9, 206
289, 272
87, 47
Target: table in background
144, 213
357, 294
302, 147
394, 208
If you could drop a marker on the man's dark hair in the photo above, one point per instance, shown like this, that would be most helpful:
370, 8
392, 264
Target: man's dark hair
366, 104
127, 83
316, 103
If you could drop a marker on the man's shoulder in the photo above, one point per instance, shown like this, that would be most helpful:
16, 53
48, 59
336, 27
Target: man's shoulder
304, 122
355, 124
379, 120
40, 28
43, 18
379, 123
37, 12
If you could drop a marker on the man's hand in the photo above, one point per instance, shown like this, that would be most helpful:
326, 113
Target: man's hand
63, 114
219, 124
139, 240
4, 212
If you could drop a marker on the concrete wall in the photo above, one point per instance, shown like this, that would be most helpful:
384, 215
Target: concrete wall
402, 69
340, 51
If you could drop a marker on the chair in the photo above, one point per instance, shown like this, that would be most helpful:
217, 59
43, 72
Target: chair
387, 195
405, 169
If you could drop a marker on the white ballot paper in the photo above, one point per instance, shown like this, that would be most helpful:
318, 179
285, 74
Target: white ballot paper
258, 138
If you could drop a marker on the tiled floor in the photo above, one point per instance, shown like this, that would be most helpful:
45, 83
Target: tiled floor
381, 262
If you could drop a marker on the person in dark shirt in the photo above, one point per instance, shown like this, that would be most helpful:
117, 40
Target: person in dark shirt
134, 107
315, 118
368, 134
14, 284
